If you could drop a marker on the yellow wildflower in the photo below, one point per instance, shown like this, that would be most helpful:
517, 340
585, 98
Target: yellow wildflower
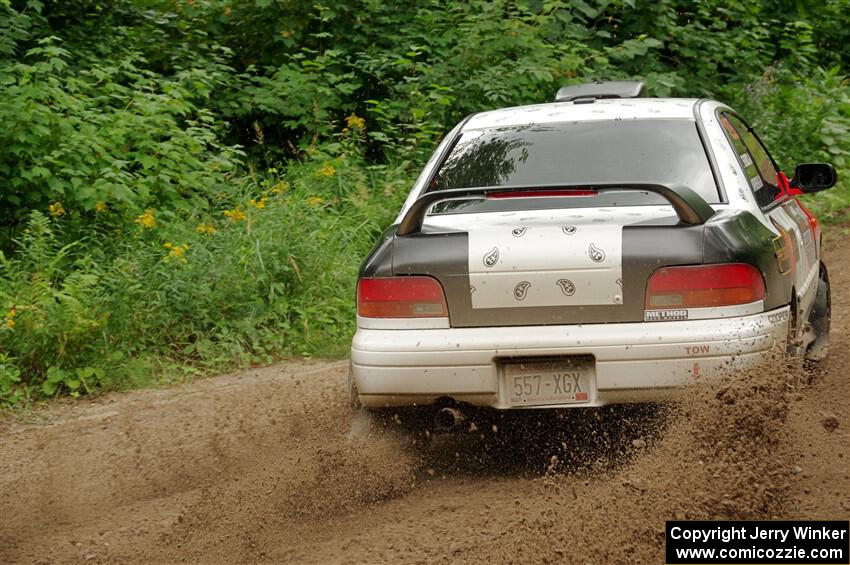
314, 200
280, 187
326, 171
205, 229
147, 220
287, 33
355, 121
235, 215
175, 252
56, 209
100, 207
10, 318
258, 204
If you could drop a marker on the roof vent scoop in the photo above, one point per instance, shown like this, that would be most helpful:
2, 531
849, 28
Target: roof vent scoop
602, 89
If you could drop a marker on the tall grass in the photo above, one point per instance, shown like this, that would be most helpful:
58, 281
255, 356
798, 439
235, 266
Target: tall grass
268, 270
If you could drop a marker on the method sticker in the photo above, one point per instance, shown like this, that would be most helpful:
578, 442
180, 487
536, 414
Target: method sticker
664, 315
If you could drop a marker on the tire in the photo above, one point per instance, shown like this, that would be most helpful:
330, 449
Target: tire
365, 423
820, 318
353, 396
793, 343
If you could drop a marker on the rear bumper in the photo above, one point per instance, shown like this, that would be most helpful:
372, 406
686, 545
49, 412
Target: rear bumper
634, 362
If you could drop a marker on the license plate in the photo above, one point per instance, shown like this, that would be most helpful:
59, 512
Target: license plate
565, 381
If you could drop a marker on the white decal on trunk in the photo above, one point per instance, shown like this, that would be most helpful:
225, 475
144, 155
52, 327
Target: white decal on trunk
548, 265
664, 315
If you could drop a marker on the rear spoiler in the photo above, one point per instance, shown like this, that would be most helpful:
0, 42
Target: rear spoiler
691, 208
608, 89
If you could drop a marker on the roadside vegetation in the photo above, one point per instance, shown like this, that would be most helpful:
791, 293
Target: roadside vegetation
188, 186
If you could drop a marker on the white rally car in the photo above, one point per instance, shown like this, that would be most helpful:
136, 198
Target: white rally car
600, 249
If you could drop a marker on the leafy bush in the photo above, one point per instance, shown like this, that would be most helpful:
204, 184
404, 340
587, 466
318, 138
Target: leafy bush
112, 135
805, 120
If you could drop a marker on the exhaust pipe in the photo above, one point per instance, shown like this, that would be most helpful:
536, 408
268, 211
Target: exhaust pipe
448, 419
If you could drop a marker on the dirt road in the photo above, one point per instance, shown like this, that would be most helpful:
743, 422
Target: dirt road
267, 465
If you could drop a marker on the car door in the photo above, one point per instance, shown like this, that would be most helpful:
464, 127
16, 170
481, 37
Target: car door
795, 243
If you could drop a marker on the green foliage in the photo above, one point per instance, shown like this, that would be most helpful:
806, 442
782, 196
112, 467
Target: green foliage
268, 269
192, 184
113, 133
52, 311
10, 379
805, 120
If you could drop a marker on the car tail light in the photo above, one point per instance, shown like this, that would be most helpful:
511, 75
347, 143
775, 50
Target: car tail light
703, 286
401, 297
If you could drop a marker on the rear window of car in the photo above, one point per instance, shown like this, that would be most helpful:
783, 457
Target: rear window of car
650, 151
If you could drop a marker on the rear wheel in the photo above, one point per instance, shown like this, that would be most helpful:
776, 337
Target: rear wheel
794, 342
364, 422
367, 421
353, 396
820, 318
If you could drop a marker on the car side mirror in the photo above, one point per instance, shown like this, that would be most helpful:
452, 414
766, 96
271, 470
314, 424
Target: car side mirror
814, 177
